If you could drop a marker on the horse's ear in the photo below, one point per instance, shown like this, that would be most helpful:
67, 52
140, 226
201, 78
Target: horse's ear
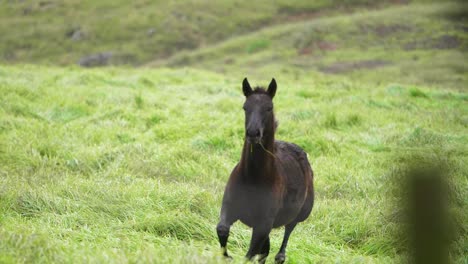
246, 87
272, 88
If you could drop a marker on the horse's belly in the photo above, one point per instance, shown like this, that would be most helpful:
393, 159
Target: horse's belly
251, 217
246, 215
287, 214
256, 213
291, 207
248, 221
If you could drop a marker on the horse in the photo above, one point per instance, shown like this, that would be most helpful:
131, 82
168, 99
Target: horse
272, 184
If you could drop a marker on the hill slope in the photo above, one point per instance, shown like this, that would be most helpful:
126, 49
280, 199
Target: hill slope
417, 44
135, 32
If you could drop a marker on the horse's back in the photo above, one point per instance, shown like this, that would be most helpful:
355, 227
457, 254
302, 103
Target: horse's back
293, 161
297, 175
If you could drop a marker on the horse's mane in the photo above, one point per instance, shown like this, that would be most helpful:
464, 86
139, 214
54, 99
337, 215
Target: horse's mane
259, 90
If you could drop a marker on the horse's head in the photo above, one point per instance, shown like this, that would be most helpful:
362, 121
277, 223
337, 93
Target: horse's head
258, 107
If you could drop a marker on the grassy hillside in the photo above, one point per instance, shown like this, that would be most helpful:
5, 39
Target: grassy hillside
136, 32
424, 44
125, 165
120, 165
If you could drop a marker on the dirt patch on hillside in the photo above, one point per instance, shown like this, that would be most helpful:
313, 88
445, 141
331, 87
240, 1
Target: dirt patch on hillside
288, 13
384, 30
344, 67
442, 42
318, 46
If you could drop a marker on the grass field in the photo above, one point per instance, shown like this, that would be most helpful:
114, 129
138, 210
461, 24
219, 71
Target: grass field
128, 165
136, 32
114, 165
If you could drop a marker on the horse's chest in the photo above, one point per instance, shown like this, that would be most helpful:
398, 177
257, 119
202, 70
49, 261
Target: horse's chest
253, 206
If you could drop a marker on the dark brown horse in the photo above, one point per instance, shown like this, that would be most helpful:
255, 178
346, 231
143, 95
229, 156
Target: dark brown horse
271, 186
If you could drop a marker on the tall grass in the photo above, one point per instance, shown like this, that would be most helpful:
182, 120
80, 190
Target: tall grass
121, 165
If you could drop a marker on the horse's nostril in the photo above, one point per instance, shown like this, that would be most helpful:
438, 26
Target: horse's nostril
253, 133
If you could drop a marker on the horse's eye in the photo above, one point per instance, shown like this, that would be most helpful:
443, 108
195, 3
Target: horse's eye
269, 109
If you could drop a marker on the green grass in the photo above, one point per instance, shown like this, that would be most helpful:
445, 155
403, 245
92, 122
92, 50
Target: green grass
424, 44
137, 32
121, 165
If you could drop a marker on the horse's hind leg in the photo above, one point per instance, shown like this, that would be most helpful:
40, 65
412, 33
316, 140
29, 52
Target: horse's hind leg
281, 256
265, 251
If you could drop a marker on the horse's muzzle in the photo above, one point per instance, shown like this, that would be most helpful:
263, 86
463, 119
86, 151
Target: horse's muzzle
254, 140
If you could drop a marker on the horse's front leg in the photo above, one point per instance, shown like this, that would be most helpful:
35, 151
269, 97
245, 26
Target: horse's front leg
223, 227
259, 238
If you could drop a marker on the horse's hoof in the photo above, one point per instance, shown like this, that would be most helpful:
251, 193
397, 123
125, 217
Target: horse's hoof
280, 258
262, 259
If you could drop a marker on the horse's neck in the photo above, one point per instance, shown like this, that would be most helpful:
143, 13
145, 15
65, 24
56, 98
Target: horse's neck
258, 161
